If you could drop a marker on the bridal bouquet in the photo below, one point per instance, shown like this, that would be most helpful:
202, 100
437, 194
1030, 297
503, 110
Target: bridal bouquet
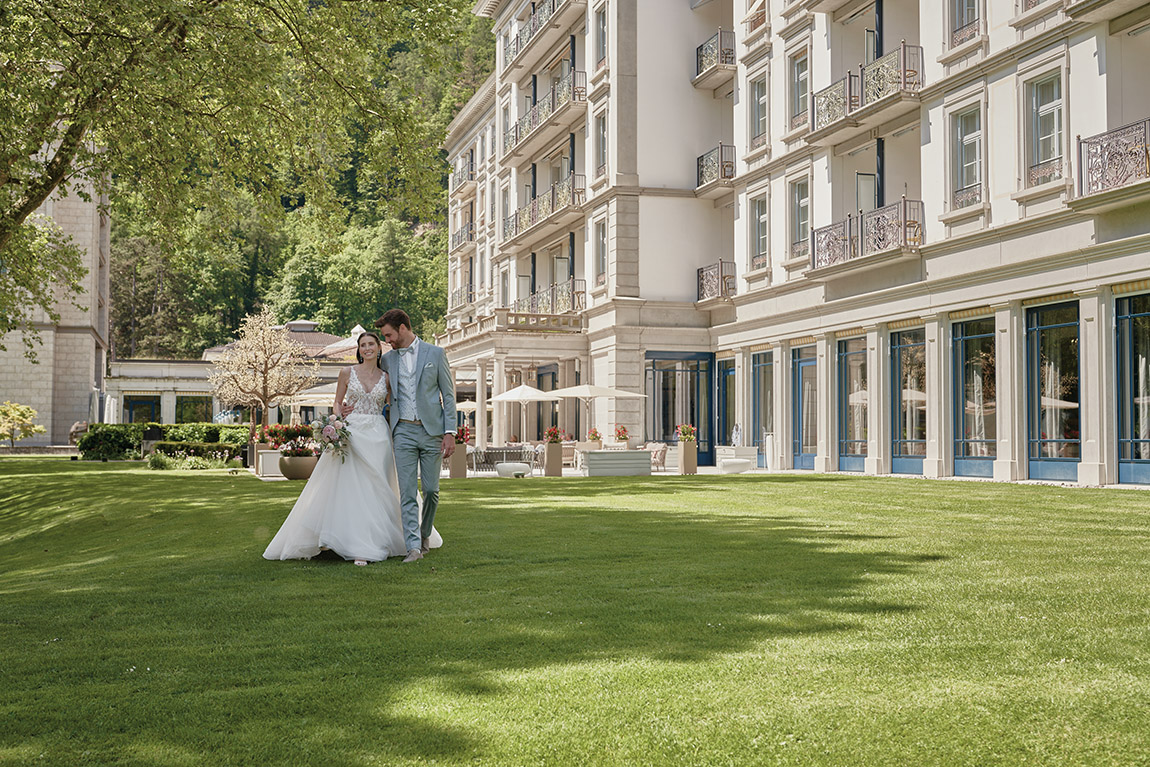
331, 433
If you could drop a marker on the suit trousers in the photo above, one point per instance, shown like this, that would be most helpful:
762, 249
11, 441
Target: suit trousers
418, 456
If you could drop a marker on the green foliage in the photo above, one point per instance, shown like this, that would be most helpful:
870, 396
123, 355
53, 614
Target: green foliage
216, 450
162, 461
107, 443
130, 436
18, 422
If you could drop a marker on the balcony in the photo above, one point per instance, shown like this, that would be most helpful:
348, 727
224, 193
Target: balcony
564, 330
552, 115
716, 280
715, 63
542, 30
715, 172
560, 205
1114, 169
873, 239
1100, 10
463, 178
883, 90
560, 298
464, 235
462, 297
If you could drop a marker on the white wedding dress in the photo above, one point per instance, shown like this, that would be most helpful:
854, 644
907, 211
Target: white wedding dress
351, 507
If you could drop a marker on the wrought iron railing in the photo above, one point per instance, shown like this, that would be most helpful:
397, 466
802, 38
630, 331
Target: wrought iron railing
568, 193
720, 49
898, 225
834, 102
964, 33
801, 248
716, 165
716, 280
898, 71
799, 119
600, 170
758, 141
571, 88
966, 196
463, 235
760, 261
529, 29
464, 172
1114, 159
1042, 172
559, 298
462, 297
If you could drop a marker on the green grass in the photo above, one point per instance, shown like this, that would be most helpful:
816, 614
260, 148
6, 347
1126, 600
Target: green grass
812, 620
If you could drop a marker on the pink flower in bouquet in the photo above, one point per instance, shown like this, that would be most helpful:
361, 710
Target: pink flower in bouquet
329, 431
339, 424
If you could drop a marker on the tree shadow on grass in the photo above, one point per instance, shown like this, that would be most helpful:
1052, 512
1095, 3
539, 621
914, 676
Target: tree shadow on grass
315, 662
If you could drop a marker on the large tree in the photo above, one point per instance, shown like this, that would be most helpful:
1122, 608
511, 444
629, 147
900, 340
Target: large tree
183, 101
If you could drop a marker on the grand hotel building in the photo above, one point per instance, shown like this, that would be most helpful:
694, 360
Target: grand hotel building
879, 236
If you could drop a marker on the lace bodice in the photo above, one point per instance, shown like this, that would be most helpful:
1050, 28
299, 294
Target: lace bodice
366, 402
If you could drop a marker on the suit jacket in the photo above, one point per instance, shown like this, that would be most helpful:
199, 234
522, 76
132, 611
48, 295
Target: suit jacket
434, 388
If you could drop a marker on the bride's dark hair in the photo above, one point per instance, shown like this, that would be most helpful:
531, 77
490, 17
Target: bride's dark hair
378, 357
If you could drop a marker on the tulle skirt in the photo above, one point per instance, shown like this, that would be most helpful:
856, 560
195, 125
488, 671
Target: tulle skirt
351, 507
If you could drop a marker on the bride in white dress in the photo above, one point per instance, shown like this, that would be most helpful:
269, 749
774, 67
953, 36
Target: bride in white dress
352, 506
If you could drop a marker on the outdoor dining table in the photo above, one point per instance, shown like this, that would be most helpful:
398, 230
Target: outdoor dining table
485, 459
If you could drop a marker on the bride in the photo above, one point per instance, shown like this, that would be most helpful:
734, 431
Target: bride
352, 506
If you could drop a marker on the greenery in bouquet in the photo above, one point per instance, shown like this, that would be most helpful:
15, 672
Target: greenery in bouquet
621, 432
553, 435
463, 435
332, 435
593, 435
686, 432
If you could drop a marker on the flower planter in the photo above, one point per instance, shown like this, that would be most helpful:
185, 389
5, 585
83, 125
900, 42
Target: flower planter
457, 463
298, 466
553, 460
688, 457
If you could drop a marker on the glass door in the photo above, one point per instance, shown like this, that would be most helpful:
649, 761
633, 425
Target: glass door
1052, 392
724, 401
975, 425
763, 406
804, 417
908, 401
852, 405
1134, 389
679, 390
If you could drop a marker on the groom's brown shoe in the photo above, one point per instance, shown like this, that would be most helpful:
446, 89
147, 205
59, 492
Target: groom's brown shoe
413, 555
426, 547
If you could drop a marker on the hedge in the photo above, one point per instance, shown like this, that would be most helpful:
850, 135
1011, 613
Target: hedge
129, 437
106, 444
200, 449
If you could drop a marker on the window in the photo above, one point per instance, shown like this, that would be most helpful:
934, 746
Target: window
852, 404
504, 288
975, 442
762, 404
482, 150
967, 159
798, 88
1134, 389
601, 252
908, 400
964, 21
758, 112
1045, 131
491, 201
800, 217
491, 141
141, 408
191, 409
601, 36
1053, 376
600, 144
760, 216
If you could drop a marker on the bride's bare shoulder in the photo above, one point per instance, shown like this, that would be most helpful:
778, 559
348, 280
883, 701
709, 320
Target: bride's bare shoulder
345, 373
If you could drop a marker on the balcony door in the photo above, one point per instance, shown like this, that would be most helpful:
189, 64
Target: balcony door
804, 414
1134, 389
678, 391
724, 401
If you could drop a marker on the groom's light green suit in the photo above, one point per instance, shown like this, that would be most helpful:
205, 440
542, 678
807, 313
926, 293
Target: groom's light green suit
428, 393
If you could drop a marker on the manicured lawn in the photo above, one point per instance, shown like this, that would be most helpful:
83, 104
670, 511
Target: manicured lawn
704, 620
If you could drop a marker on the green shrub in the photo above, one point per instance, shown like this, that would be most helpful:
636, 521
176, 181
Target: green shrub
221, 451
105, 443
211, 433
158, 460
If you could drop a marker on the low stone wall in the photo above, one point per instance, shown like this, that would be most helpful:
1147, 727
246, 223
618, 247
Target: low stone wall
39, 450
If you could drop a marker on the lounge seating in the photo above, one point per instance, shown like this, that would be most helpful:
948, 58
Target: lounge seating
658, 452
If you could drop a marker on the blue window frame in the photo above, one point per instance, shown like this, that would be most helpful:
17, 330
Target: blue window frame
546, 413
1052, 376
679, 390
804, 415
142, 408
908, 400
763, 405
1133, 315
852, 404
724, 400
975, 425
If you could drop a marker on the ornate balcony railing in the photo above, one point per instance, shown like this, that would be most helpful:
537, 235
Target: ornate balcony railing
716, 165
898, 225
801, 248
1114, 159
758, 141
966, 196
899, 70
834, 102
1042, 172
536, 23
463, 235
568, 193
720, 49
464, 172
716, 280
964, 33
462, 297
760, 261
560, 298
571, 88
799, 119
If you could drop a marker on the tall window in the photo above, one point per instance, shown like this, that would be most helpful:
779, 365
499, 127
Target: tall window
852, 404
975, 432
759, 220
482, 150
908, 400
601, 252
963, 21
1045, 131
193, 409
967, 158
800, 217
758, 112
762, 404
798, 91
601, 36
600, 144
491, 201
1053, 398
504, 288
1134, 389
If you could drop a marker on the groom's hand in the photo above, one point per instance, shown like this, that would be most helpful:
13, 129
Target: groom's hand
448, 445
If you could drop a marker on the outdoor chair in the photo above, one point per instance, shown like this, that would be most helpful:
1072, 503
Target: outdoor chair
658, 455
569, 454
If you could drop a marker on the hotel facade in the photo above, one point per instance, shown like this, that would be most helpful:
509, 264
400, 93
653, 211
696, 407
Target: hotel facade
881, 236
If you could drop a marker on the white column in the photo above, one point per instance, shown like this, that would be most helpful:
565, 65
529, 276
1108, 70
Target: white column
743, 394
784, 408
498, 413
563, 406
939, 461
167, 407
1010, 394
878, 399
827, 443
481, 404
1096, 394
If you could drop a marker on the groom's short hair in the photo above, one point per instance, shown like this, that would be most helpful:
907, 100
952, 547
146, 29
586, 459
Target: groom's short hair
395, 318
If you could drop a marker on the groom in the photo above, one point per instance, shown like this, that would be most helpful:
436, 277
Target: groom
422, 423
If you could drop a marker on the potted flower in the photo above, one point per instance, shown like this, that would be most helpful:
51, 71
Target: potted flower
688, 449
593, 435
457, 463
298, 453
553, 452
622, 435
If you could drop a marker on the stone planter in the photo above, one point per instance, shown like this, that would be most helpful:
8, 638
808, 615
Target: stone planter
457, 463
553, 460
596, 444
298, 466
688, 457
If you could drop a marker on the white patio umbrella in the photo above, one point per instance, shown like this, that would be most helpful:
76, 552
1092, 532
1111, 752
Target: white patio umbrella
323, 395
588, 392
523, 394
